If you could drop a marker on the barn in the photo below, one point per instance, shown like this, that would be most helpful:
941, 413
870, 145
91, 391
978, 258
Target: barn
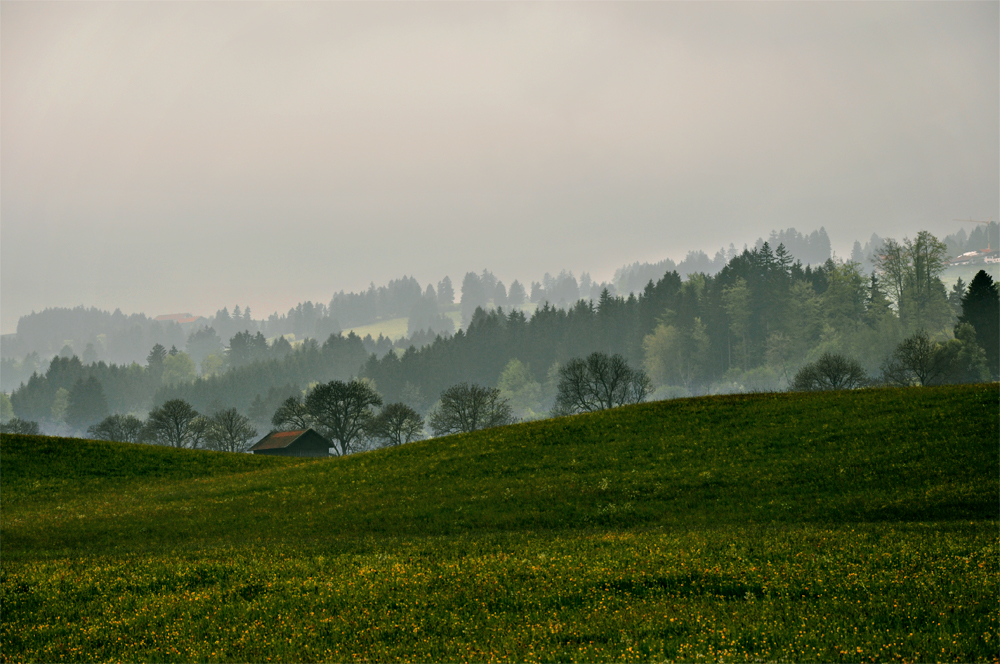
305, 443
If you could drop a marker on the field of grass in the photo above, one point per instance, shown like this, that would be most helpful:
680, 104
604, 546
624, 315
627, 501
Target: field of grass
851, 526
394, 328
967, 273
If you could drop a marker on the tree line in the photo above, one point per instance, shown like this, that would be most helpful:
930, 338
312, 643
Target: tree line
755, 325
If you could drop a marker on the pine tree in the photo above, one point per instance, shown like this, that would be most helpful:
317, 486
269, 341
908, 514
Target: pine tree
981, 310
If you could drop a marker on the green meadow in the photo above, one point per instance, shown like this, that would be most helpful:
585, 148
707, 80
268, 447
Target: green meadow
846, 526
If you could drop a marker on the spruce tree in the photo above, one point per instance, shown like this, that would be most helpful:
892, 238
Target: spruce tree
981, 310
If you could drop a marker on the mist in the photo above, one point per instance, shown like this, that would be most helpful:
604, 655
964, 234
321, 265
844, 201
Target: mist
183, 157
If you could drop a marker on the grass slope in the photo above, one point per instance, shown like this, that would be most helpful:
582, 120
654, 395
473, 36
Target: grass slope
838, 526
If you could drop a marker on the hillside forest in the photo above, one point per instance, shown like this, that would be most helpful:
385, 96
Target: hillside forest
743, 321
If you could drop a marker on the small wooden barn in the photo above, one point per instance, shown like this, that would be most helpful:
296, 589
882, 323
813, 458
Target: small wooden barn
305, 443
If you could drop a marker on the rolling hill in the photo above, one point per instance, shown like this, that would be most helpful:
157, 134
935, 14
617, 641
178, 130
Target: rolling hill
833, 526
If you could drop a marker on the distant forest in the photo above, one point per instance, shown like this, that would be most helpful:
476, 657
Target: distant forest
744, 320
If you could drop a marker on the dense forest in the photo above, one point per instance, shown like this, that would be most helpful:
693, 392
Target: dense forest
751, 325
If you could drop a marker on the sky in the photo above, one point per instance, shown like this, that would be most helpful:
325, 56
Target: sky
182, 157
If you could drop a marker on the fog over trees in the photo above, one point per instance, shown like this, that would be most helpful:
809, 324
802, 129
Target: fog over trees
758, 319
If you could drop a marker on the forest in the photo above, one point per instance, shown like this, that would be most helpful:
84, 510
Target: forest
752, 325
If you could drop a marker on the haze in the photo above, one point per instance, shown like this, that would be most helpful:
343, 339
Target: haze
167, 157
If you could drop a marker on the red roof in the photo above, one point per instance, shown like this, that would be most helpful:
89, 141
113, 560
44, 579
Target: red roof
277, 440
174, 317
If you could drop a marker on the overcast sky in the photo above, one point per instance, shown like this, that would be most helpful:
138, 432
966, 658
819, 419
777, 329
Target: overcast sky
171, 157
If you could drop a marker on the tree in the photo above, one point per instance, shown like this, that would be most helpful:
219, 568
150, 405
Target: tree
927, 257
918, 360
396, 424
736, 302
676, 356
174, 424
598, 382
464, 408
86, 404
521, 390
228, 431
17, 425
981, 310
830, 372
343, 411
122, 428
6, 408
292, 415
956, 296
891, 262
445, 292
60, 403
154, 361
202, 343
516, 294
499, 295
473, 296
178, 368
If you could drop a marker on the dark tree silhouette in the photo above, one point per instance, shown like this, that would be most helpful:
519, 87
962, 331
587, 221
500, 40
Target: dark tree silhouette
830, 372
228, 431
122, 428
87, 404
343, 411
598, 382
465, 408
174, 424
292, 415
397, 424
981, 310
17, 425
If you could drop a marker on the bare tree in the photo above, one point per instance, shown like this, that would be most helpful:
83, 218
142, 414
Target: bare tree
397, 424
228, 431
343, 412
830, 372
920, 361
122, 428
465, 408
892, 262
292, 415
174, 424
598, 382
17, 425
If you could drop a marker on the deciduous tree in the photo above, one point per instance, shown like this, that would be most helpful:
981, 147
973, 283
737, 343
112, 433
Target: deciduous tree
343, 411
466, 407
598, 382
396, 424
229, 431
830, 372
122, 428
174, 424
292, 415
17, 425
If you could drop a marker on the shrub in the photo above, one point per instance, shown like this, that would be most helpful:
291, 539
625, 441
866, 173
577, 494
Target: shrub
830, 372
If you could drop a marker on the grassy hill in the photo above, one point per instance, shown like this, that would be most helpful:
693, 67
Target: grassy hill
837, 526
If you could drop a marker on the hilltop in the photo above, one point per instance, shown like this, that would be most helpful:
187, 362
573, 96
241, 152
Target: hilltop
696, 510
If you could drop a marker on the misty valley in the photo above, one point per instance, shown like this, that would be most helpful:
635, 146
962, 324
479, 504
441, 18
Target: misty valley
767, 318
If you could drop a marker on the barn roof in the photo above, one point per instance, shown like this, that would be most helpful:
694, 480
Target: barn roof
277, 440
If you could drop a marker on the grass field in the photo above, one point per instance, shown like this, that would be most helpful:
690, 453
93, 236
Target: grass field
967, 273
850, 526
394, 328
